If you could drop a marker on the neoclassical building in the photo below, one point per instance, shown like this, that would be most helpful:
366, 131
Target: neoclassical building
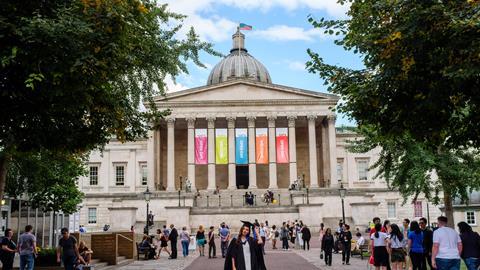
240, 132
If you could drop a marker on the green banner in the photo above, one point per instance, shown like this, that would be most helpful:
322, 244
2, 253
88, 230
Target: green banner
221, 146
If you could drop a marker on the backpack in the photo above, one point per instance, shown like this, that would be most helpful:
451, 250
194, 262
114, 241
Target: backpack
277, 234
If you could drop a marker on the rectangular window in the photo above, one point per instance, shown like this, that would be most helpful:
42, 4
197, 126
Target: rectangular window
417, 207
93, 175
92, 215
470, 218
144, 174
119, 175
362, 166
392, 209
340, 169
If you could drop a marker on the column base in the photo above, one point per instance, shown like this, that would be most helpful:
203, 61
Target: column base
252, 187
170, 189
273, 187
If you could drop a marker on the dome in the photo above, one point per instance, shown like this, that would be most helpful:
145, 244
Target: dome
239, 64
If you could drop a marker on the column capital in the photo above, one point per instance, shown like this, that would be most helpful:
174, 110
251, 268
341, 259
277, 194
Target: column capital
291, 120
331, 117
170, 121
191, 121
271, 120
311, 117
251, 121
231, 121
211, 121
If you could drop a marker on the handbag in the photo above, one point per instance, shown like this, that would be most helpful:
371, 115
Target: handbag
371, 260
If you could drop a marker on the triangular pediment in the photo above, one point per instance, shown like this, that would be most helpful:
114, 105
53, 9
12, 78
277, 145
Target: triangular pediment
244, 90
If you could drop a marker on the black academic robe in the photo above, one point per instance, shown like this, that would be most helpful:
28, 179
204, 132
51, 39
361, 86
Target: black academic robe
235, 251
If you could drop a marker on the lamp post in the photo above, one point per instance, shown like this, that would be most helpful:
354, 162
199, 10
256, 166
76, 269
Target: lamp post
343, 192
146, 196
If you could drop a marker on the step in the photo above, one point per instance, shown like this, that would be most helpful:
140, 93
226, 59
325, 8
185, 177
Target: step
120, 263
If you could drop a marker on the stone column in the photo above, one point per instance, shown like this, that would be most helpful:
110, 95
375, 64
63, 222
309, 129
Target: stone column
211, 153
325, 157
252, 166
191, 151
312, 151
272, 155
292, 147
332, 149
232, 183
170, 154
151, 159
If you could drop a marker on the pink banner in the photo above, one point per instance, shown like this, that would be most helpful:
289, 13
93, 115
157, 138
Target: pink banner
201, 146
282, 145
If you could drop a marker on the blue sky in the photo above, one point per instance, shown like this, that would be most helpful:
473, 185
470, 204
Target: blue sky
280, 37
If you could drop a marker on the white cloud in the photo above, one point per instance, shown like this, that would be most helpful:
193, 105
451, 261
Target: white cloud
290, 33
296, 65
173, 86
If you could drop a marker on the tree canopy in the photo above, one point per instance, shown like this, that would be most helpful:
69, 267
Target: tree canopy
417, 95
47, 179
74, 73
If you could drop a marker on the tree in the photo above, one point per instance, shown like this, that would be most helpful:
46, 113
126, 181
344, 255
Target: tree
419, 85
74, 73
48, 179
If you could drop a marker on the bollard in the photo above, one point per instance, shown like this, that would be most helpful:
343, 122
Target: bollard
279, 200
291, 199
255, 200
219, 201
244, 199
308, 197
179, 198
207, 201
184, 200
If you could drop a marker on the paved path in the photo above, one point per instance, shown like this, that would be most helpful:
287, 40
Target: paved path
275, 259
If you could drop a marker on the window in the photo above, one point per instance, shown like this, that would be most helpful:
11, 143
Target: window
92, 215
93, 175
417, 207
470, 218
340, 169
144, 174
392, 209
119, 175
362, 166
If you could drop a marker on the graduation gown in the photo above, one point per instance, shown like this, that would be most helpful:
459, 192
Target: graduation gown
235, 251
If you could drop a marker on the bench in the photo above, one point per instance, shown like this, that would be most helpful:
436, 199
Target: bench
362, 251
142, 250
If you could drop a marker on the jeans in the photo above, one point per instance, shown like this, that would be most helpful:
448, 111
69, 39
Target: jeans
185, 248
447, 264
223, 247
7, 261
285, 243
174, 249
347, 249
418, 260
212, 250
306, 244
26, 262
69, 262
472, 263
328, 257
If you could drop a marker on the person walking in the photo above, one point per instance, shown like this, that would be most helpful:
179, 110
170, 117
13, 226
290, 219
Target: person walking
471, 246
201, 240
224, 238
162, 244
327, 246
173, 241
67, 247
275, 234
447, 247
284, 233
321, 233
379, 247
415, 242
263, 235
212, 249
347, 244
427, 243
27, 248
397, 245
306, 236
185, 240
7, 254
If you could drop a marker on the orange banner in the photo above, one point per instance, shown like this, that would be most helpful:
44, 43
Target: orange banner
261, 145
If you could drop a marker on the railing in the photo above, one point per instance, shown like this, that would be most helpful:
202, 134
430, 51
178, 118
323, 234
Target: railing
210, 200
125, 246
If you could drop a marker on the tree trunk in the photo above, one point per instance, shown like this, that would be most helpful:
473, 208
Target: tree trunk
447, 200
4, 162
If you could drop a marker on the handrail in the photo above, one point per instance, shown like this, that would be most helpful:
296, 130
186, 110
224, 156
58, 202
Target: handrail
123, 236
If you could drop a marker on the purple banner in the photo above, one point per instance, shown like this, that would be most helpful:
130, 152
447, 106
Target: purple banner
201, 146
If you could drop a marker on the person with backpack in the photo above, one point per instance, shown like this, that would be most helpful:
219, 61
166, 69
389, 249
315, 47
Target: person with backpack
284, 236
224, 238
471, 246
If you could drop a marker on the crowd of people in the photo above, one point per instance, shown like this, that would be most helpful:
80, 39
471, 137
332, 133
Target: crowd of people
74, 255
412, 245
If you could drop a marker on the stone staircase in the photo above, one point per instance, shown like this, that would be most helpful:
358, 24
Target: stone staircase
121, 261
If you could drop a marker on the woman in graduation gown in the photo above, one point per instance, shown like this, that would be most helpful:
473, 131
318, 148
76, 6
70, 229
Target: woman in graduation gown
245, 252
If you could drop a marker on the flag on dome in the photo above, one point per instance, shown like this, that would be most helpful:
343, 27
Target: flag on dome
244, 26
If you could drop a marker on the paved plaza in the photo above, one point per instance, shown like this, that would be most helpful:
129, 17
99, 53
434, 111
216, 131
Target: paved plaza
275, 259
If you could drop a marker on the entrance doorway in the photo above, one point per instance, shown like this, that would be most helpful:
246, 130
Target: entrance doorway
242, 176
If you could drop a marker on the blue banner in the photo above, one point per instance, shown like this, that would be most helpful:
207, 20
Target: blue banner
241, 146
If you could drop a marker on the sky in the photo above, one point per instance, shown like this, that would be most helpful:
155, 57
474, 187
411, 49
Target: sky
280, 38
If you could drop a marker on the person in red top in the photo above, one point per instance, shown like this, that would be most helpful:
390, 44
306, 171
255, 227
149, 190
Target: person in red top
375, 220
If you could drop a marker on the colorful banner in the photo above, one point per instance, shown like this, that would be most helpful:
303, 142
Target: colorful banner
261, 146
201, 146
241, 146
221, 146
282, 145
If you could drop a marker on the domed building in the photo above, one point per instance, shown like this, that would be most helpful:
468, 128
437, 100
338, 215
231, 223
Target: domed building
240, 133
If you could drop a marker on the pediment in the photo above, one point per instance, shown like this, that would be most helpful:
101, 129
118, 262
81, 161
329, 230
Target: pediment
245, 91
